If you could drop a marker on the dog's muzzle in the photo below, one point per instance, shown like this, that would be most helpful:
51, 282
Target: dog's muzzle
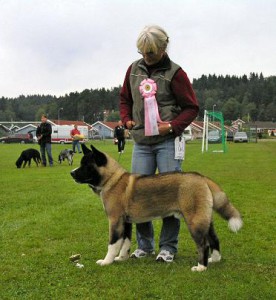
79, 180
73, 174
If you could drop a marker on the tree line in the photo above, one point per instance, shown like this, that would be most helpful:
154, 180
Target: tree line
251, 98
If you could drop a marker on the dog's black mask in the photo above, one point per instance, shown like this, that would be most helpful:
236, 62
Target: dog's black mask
88, 172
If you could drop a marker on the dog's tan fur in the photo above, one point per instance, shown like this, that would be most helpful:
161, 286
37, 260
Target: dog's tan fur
130, 198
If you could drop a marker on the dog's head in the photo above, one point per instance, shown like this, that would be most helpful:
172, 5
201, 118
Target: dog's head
92, 167
19, 162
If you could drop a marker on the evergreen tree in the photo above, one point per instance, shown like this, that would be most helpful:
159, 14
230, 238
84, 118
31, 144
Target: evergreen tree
248, 97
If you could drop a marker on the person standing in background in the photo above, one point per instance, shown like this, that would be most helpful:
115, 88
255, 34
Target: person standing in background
119, 134
43, 134
75, 134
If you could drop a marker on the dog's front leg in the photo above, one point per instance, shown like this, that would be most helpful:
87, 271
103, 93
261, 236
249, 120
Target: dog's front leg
116, 231
125, 250
35, 160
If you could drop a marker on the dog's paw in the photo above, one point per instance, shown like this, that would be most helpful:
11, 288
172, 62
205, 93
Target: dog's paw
215, 257
121, 258
103, 262
199, 268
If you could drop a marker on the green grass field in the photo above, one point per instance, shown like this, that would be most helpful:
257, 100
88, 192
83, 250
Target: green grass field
45, 218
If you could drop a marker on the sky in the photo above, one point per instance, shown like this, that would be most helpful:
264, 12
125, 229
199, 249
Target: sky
55, 47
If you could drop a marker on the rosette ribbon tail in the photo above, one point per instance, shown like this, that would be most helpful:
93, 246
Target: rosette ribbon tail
148, 90
151, 116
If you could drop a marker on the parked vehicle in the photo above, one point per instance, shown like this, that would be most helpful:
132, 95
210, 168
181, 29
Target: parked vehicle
96, 137
61, 133
241, 137
187, 134
214, 137
17, 138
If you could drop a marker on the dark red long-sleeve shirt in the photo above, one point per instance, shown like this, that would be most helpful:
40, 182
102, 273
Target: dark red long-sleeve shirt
183, 93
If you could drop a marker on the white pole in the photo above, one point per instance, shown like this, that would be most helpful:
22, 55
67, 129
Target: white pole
204, 131
207, 130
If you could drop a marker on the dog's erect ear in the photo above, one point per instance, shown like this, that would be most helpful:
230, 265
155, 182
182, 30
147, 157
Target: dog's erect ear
100, 158
85, 150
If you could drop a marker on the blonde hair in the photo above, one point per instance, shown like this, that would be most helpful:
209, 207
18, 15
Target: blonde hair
152, 38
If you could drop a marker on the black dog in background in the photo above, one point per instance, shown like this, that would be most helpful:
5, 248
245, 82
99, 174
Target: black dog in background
26, 156
66, 154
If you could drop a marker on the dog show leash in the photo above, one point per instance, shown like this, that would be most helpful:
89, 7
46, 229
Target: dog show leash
119, 157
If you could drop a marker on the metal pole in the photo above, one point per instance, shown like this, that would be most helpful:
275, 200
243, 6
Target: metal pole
207, 130
204, 131
58, 119
214, 112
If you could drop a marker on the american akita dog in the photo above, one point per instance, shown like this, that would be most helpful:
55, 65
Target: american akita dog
132, 198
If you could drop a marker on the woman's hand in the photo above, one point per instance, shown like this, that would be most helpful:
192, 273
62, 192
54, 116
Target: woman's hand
130, 124
164, 128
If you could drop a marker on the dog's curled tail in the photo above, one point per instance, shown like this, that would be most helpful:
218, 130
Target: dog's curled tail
224, 208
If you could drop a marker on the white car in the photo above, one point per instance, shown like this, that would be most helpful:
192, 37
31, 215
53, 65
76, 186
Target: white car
240, 137
187, 134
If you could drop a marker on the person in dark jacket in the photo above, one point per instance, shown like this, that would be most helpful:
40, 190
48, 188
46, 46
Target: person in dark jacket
43, 134
119, 134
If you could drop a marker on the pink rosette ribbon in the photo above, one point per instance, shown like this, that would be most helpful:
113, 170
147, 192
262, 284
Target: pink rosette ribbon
148, 90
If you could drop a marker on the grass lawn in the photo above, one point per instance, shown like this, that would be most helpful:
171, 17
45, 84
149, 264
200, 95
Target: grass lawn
45, 218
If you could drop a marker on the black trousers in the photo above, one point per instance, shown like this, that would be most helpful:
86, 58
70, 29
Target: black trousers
121, 144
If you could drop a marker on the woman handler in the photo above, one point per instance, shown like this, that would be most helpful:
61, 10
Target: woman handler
157, 102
